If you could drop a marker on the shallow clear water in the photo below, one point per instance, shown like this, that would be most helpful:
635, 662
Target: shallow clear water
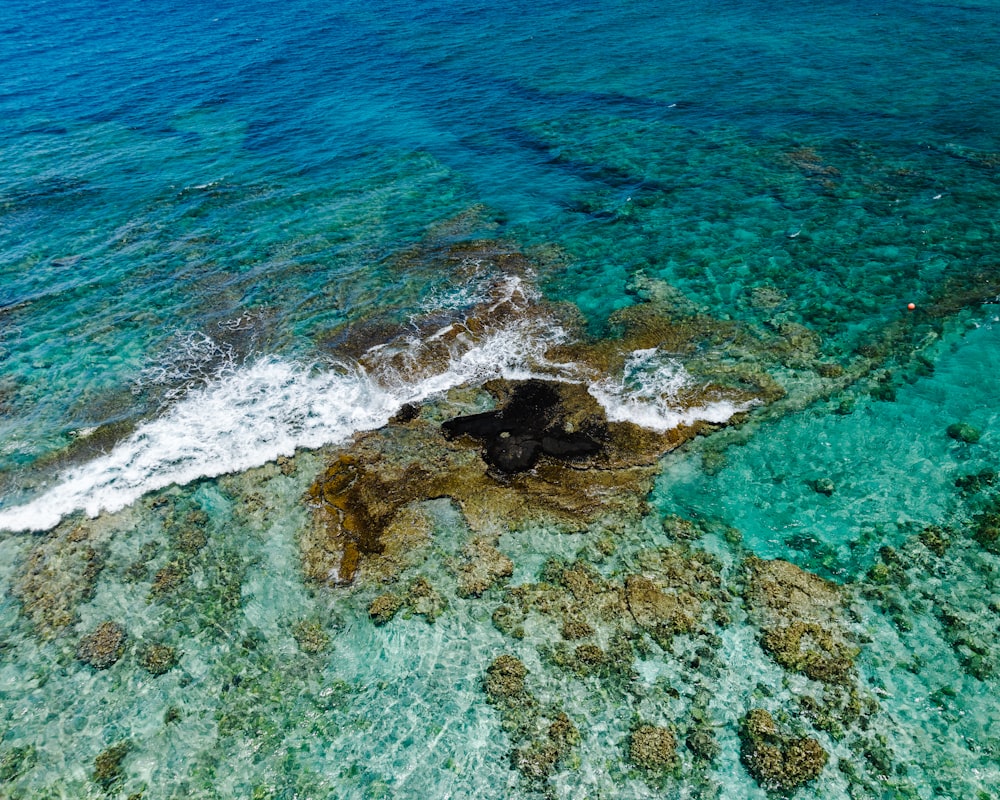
208, 219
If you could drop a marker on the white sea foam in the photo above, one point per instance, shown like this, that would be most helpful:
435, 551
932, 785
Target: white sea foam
649, 394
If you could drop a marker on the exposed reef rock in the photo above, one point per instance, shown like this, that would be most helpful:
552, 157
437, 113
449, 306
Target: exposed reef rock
801, 618
528, 426
512, 452
367, 503
543, 737
778, 762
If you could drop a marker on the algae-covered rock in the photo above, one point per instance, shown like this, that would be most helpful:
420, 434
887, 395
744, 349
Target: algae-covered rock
108, 765
987, 528
103, 646
157, 659
801, 620
310, 636
505, 679
823, 486
653, 748
778, 762
964, 432
384, 607
60, 573
484, 566
537, 761
423, 599
811, 649
16, 761
935, 539
662, 614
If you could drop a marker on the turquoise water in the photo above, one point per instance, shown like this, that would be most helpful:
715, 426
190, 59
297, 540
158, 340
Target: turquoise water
233, 241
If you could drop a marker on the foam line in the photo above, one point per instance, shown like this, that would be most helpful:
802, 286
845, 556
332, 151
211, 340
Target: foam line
648, 394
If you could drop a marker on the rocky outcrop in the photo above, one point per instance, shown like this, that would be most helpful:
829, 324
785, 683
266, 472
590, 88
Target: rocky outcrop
801, 620
103, 646
777, 761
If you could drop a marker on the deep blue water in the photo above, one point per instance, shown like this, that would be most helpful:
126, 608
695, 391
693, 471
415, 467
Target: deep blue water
207, 199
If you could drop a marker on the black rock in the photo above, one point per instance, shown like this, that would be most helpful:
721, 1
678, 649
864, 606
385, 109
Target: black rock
512, 453
570, 445
517, 434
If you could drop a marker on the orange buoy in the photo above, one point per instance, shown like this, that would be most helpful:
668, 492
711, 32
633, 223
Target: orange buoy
911, 306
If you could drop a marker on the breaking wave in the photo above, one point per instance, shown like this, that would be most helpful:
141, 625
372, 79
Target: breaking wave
248, 416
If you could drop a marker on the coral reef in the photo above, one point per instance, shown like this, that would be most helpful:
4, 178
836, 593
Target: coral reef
801, 620
504, 682
59, 574
108, 771
653, 748
483, 566
157, 659
964, 432
420, 598
103, 646
543, 737
777, 761
310, 636
384, 607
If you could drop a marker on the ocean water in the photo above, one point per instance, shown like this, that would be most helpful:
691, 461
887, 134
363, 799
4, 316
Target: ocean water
237, 241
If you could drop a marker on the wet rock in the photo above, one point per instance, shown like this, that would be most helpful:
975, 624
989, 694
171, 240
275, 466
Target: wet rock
505, 679
653, 748
964, 432
530, 424
484, 566
800, 616
157, 659
108, 770
776, 761
823, 486
407, 413
384, 607
103, 646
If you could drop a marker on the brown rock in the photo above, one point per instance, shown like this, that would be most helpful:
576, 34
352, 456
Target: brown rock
103, 646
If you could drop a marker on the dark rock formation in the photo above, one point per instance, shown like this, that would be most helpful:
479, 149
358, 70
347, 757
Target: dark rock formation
529, 425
